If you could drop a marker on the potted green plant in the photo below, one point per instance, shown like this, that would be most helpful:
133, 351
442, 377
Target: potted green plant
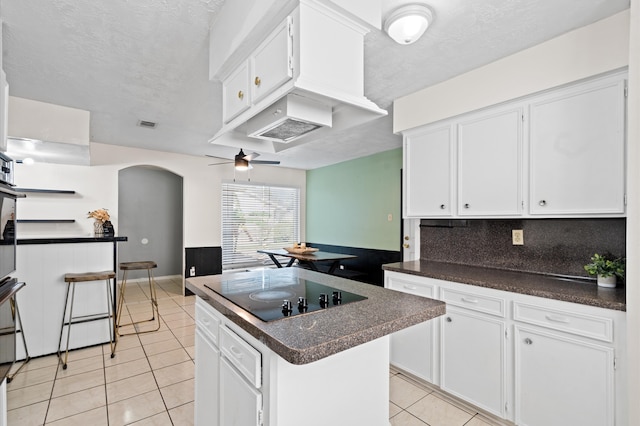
607, 268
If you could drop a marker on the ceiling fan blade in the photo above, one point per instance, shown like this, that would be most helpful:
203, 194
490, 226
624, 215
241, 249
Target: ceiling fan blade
217, 164
251, 156
264, 162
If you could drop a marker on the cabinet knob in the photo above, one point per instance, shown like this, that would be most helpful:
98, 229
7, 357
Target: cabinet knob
405, 245
449, 319
257, 81
466, 206
406, 237
542, 203
442, 206
528, 341
240, 95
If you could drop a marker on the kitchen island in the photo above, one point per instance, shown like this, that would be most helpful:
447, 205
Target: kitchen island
42, 263
325, 367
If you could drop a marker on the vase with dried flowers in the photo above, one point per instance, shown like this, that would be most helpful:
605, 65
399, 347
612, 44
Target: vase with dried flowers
100, 216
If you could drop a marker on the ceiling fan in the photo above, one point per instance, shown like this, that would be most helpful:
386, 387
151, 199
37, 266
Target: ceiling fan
243, 161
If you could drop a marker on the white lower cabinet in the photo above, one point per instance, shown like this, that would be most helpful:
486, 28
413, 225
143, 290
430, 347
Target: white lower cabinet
412, 348
240, 402
207, 375
561, 380
473, 358
529, 360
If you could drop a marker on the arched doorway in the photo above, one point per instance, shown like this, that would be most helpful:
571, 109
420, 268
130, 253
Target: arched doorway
150, 213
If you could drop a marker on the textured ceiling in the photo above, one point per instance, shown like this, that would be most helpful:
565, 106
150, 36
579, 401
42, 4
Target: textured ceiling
147, 59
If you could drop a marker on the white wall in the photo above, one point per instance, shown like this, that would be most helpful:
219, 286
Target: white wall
96, 187
597, 48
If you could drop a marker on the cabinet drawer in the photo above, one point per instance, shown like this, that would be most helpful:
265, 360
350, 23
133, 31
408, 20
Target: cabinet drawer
595, 327
207, 322
475, 302
411, 287
242, 355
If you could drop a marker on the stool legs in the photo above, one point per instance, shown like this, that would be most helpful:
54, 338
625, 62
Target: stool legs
110, 316
155, 315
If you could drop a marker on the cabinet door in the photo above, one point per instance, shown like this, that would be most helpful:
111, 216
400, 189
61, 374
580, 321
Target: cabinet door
427, 173
577, 151
240, 402
473, 358
489, 172
206, 392
562, 381
272, 62
412, 348
235, 93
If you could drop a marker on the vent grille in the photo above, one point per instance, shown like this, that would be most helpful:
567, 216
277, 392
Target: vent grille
147, 124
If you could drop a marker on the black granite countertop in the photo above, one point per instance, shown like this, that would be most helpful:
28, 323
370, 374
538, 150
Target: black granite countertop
302, 339
68, 240
585, 292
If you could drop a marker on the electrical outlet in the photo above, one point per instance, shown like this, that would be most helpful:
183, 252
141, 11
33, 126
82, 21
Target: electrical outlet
390, 217
517, 236
192, 271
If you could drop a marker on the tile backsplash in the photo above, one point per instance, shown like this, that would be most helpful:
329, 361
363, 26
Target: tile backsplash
558, 246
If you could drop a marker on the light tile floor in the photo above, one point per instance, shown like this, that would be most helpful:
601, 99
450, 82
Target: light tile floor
150, 381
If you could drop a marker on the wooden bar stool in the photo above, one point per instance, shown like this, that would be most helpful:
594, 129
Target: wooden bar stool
155, 315
71, 280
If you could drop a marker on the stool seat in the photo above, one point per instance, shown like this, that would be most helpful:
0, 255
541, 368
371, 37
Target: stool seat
89, 276
134, 266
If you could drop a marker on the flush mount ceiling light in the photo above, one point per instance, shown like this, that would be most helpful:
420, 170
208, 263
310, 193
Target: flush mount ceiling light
406, 24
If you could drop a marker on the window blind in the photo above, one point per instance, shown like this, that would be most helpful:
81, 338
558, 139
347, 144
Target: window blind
257, 217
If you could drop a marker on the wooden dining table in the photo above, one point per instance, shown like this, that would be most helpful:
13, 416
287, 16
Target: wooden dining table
308, 259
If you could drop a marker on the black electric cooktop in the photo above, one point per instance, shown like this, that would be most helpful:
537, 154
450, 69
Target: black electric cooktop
270, 296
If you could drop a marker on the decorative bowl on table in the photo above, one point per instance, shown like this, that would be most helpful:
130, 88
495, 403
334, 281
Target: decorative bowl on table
301, 250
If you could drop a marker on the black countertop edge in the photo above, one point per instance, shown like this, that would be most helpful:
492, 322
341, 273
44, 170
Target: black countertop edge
584, 292
70, 240
307, 338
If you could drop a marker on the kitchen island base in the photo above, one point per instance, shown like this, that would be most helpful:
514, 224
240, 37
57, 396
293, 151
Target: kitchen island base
241, 379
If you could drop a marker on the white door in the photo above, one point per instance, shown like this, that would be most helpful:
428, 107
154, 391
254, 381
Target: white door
577, 151
240, 402
207, 374
473, 358
489, 171
428, 173
562, 381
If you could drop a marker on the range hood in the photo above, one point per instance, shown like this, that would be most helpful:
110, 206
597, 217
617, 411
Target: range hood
324, 92
289, 119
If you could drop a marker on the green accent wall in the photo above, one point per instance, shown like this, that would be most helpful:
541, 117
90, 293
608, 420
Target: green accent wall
348, 203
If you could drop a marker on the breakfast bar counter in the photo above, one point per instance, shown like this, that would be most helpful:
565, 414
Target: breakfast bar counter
42, 262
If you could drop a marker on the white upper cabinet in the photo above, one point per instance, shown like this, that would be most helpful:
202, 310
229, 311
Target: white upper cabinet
577, 150
489, 171
555, 154
269, 67
428, 162
272, 62
236, 95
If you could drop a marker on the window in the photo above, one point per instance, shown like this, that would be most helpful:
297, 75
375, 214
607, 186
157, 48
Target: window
257, 217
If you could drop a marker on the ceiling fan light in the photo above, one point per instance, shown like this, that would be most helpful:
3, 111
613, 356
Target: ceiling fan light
406, 24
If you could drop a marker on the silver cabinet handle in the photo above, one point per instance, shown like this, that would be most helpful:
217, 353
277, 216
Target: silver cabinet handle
469, 300
557, 318
528, 341
442, 206
542, 203
466, 206
449, 319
